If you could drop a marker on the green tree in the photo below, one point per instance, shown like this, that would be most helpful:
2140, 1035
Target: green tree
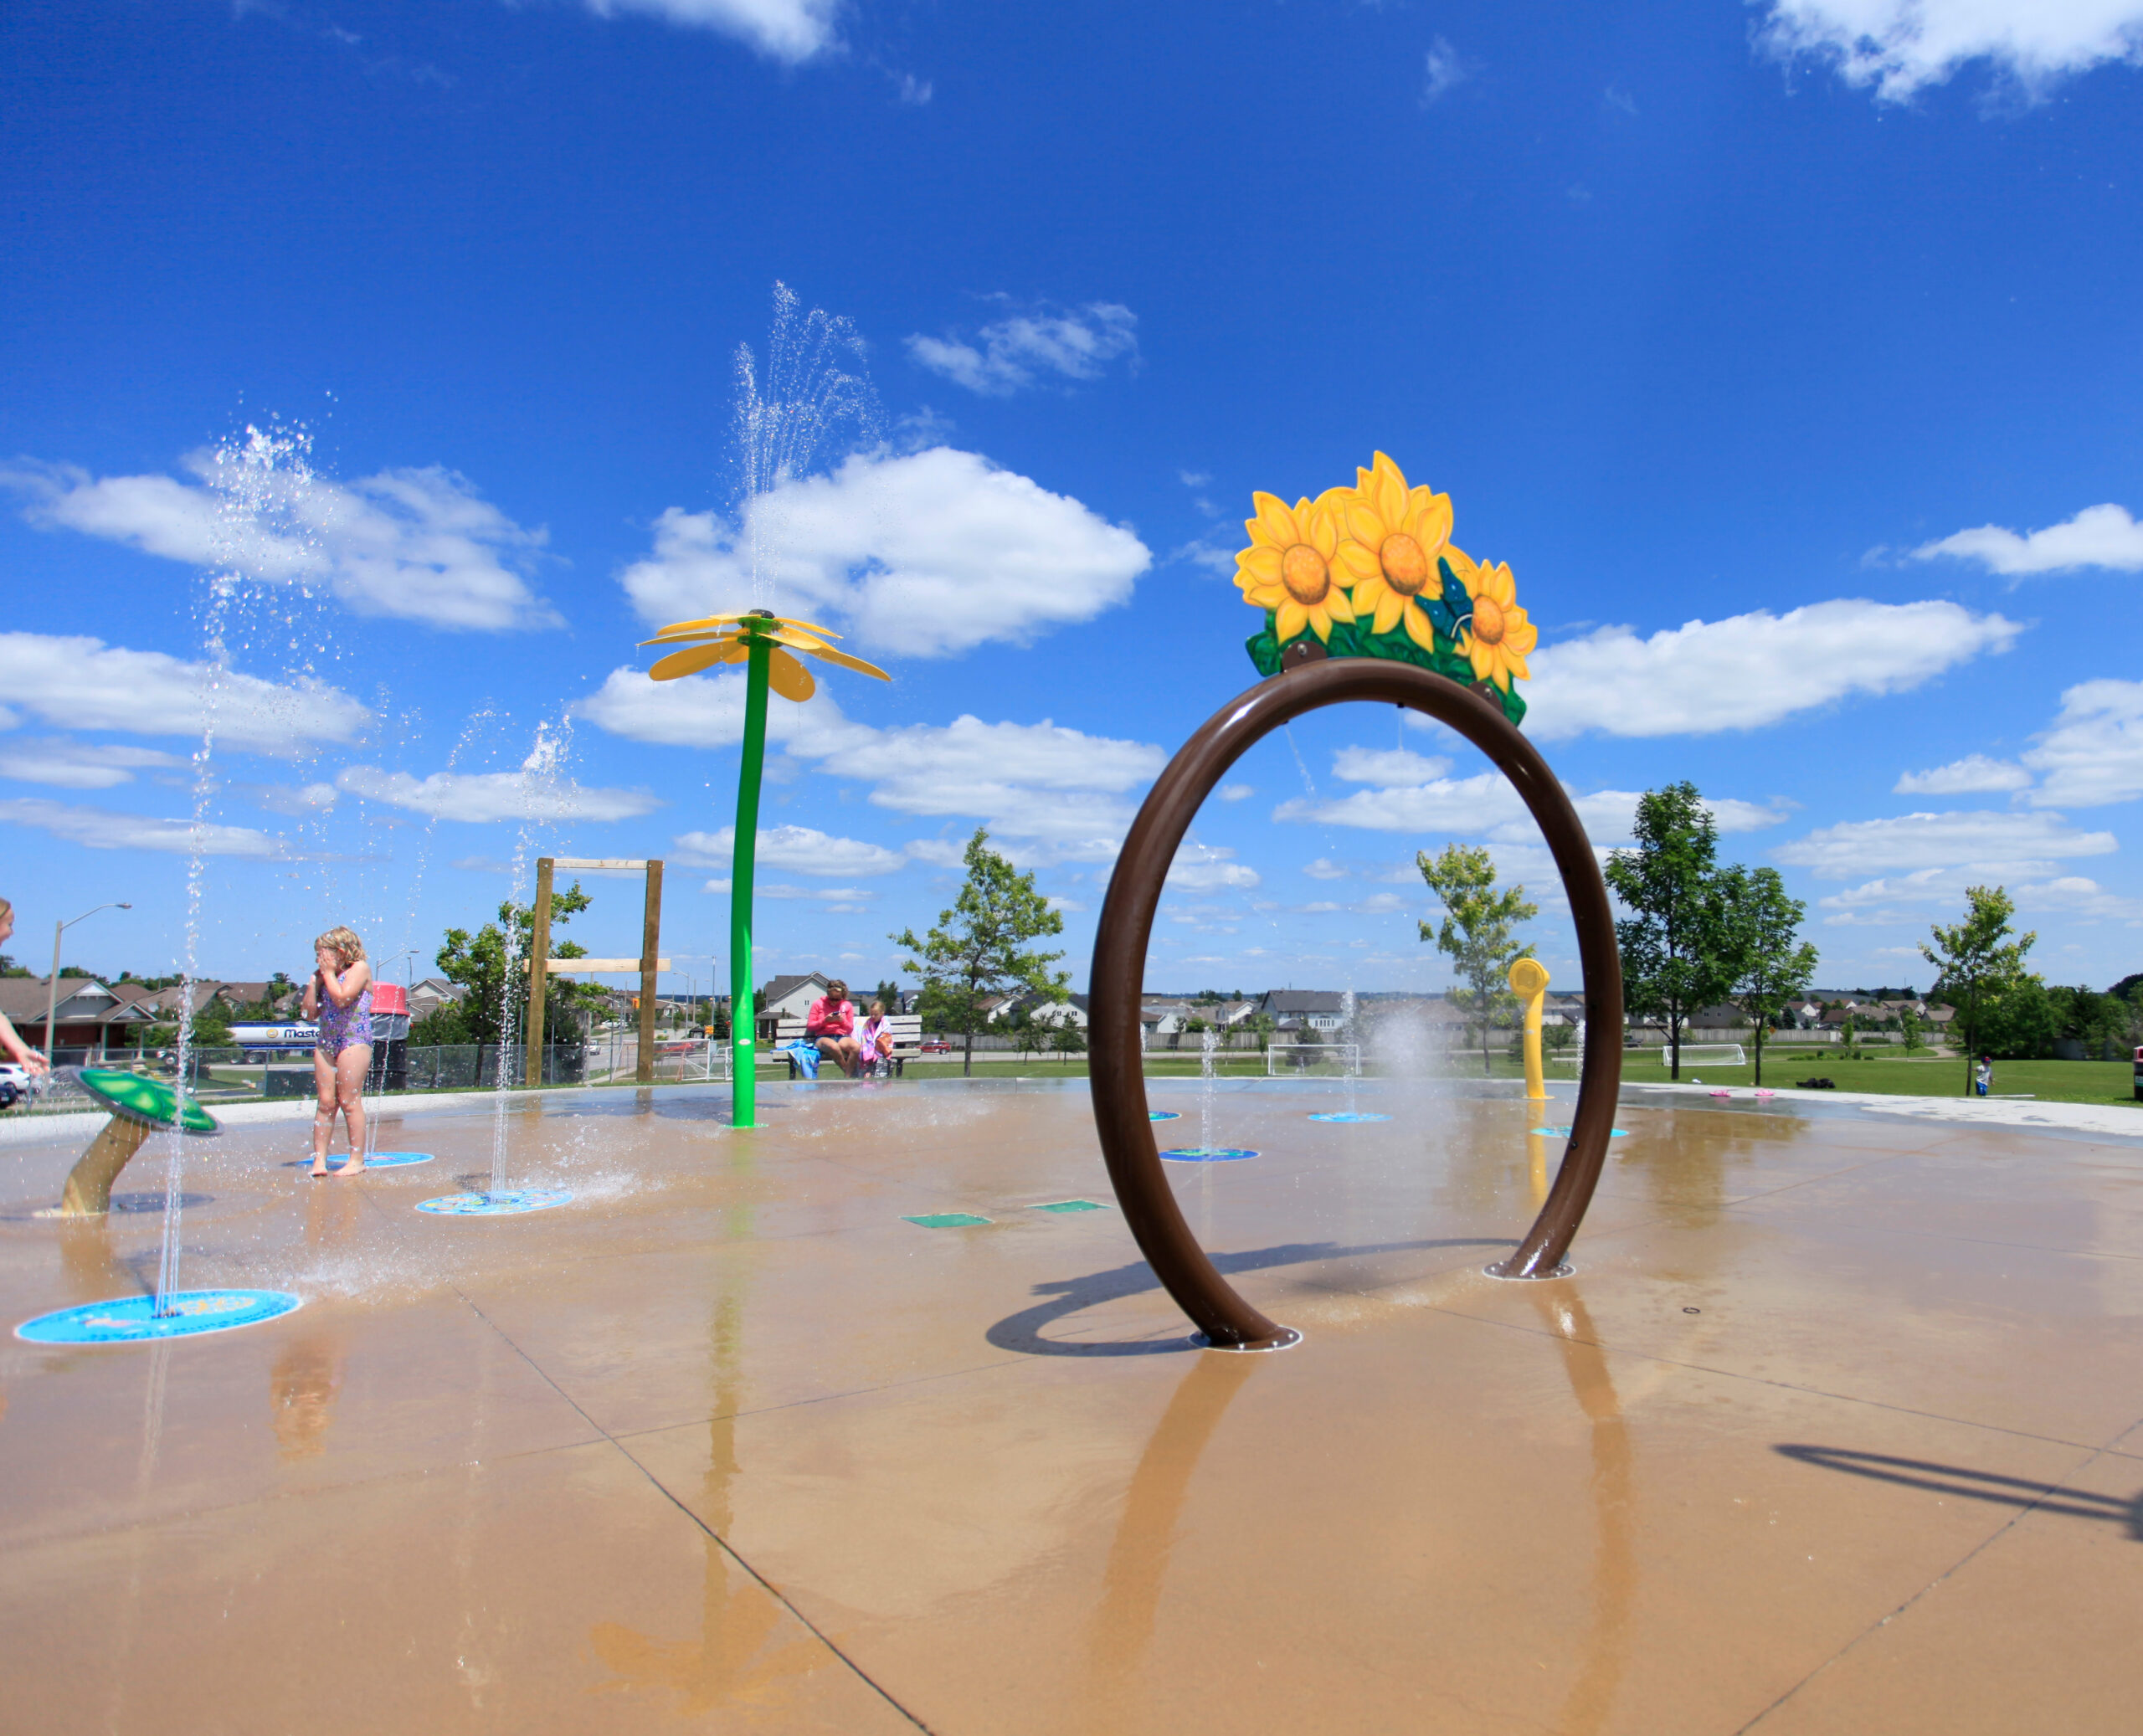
1911, 1026
1773, 963
1476, 933
492, 964
2019, 1020
976, 950
1977, 957
1678, 943
1068, 1039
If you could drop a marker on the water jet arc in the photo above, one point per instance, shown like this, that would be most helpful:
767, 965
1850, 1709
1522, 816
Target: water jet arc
1127, 922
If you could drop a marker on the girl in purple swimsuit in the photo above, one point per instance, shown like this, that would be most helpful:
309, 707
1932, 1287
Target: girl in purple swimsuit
340, 997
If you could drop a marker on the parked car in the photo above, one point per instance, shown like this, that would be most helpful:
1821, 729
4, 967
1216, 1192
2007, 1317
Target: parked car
933, 1045
14, 1084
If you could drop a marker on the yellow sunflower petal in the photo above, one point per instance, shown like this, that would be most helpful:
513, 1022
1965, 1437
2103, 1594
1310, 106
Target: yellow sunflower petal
1428, 521
1521, 636
1389, 605
1516, 666
1289, 619
1367, 526
1419, 627
1335, 600
1497, 581
1388, 487
1359, 562
1482, 658
789, 678
700, 657
1320, 526
1276, 523
1262, 562
1320, 623
1264, 596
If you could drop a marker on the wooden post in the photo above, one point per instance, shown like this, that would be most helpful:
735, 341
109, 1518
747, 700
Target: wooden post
650, 954
539, 967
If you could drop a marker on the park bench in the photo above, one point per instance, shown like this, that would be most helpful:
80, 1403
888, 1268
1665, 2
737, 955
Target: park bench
905, 1027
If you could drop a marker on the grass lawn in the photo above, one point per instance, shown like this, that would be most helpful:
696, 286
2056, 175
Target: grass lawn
1920, 1075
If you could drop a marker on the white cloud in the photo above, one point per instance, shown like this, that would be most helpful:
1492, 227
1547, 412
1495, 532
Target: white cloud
1484, 804
1237, 792
1989, 841
479, 797
796, 849
417, 544
1324, 868
1972, 775
100, 829
1388, 767
1442, 69
1902, 46
1047, 794
1207, 867
848, 896
2094, 753
2097, 536
924, 555
1026, 347
1751, 669
299, 801
81, 683
790, 31
78, 765
2072, 894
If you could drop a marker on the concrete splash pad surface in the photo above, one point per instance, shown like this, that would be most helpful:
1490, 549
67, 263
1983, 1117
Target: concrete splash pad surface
1835, 1428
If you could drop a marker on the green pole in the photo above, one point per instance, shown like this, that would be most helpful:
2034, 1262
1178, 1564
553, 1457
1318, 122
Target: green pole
743, 1023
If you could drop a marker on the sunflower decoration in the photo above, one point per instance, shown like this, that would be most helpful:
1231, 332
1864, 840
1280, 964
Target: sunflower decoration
1371, 571
1497, 636
762, 641
1288, 566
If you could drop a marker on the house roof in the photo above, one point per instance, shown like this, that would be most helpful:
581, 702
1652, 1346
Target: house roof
25, 997
1286, 1001
781, 987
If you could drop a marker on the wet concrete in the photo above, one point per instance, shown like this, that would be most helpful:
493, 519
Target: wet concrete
1838, 1427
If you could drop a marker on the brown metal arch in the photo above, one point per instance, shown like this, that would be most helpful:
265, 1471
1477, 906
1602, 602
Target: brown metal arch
1127, 923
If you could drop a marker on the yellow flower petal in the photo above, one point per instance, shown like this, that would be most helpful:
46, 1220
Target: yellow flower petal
1264, 596
1360, 562
1428, 521
1367, 526
1387, 489
1262, 562
1389, 605
1290, 618
1275, 520
1341, 609
1319, 528
1497, 583
1419, 627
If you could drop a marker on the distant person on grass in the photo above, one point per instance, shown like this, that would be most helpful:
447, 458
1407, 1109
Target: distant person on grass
339, 997
31, 1061
831, 1024
1983, 1078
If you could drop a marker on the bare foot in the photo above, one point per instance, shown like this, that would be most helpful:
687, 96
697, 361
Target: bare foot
320, 1168
355, 1167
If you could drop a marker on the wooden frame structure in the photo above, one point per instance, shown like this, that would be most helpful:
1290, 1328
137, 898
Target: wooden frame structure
542, 967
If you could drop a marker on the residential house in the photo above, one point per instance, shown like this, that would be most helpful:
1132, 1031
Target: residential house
1318, 1013
89, 1015
791, 997
1042, 1010
431, 994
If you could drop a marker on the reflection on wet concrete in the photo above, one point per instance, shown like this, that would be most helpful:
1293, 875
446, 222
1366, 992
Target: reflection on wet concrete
303, 1386
1614, 1558
1122, 1625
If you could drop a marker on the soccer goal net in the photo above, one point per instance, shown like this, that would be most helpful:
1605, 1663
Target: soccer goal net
1710, 1054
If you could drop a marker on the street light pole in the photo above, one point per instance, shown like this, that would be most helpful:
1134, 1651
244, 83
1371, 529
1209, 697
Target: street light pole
52, 988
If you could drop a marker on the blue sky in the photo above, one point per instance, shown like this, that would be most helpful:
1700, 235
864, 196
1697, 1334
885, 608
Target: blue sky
1789, 353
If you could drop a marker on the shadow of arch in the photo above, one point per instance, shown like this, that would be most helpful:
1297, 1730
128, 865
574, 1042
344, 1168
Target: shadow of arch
1023, 1331
1965, 1484
1121, 941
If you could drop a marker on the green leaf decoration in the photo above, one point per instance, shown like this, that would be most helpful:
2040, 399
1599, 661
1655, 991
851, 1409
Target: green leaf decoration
1264, 647
1396, 646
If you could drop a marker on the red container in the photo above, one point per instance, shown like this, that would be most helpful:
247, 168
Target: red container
390, 999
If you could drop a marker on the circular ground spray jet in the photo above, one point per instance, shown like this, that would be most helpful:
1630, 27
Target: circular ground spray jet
139, 1106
